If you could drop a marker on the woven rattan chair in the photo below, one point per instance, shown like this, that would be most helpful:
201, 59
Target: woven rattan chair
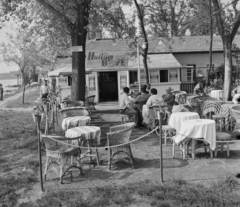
59, 153
119, 135
221, 140
90, 104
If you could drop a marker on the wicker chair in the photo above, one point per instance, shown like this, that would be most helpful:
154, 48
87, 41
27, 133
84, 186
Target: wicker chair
235, 113
60, 153
118, 135
222, 139
90, 104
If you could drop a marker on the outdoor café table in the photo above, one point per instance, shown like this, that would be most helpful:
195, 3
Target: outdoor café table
216, 94
212, 106
86, 132
196, 129
90, 134
226, 111
176, 119
75, 121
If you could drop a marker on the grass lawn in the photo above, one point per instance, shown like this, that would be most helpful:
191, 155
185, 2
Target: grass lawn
19, 175
29, 100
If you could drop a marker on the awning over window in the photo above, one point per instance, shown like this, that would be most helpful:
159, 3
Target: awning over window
155, 61
65, 71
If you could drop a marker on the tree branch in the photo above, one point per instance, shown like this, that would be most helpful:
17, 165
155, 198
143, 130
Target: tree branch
218, 16
235, 27
56, 12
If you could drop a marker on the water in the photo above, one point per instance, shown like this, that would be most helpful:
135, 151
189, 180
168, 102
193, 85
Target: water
9, 82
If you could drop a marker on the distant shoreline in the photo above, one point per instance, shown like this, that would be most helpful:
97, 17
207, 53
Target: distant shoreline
7, 78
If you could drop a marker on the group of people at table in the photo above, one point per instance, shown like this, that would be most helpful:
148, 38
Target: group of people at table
186, 124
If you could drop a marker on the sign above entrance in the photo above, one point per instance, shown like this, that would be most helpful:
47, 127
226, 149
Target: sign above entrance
112, 59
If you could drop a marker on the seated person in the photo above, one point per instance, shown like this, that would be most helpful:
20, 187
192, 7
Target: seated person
236, 95
127, 109
141, 99
44, 90
198, 89
152, 100
169, 98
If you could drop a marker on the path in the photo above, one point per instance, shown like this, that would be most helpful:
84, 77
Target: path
14, 97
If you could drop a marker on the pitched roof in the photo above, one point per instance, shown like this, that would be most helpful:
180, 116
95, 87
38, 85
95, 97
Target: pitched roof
161, 45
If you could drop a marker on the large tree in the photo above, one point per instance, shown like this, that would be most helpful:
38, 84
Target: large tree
75, 15
228, 25
168, 17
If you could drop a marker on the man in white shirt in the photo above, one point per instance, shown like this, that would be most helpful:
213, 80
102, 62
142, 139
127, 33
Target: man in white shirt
127, 109
44, 90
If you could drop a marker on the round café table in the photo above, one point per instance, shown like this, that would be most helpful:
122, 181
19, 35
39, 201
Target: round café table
176, 119
92, 134
75, 121
196, 129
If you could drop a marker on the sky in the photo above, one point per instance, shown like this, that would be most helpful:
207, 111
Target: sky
6, 68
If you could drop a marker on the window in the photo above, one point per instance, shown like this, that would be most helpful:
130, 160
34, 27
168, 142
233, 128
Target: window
173, 75
154, 76
69, 80
163, 76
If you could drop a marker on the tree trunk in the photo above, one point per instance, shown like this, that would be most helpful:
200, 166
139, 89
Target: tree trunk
78, 58
227, 47
211, 43
23, 94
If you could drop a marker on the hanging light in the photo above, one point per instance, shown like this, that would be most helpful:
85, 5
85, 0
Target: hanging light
238, 6
188, 33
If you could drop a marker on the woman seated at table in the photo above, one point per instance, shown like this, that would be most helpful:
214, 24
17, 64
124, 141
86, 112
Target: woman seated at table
236, 95
152, 100
198, 89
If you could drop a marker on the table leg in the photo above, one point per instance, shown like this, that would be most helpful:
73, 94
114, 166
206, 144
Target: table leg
89, 150
193, 148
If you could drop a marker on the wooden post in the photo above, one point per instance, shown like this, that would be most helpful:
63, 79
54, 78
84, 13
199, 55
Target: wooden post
38, 120
47, 123
160, 143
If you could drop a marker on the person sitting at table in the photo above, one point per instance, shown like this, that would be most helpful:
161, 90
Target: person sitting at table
126, 108
141, 99
169, 98
152, 100
198, 89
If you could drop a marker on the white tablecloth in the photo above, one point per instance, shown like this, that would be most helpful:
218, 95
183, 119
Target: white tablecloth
75, 121
198, 128
87, 132
177, 118
217, 94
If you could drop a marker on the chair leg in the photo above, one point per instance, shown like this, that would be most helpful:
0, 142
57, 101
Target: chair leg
193, 148
173, 149
211, 152
184, 151
97, 157
46, 168
131, 157
228, 153
165, 137
216, 150
61, 171
109, 158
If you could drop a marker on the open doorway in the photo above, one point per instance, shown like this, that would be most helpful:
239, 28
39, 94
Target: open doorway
108, 86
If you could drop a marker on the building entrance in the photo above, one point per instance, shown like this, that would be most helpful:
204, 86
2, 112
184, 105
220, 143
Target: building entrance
108, 86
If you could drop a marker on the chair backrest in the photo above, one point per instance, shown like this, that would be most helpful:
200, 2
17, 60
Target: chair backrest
69, 112
120, 134
74, 103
